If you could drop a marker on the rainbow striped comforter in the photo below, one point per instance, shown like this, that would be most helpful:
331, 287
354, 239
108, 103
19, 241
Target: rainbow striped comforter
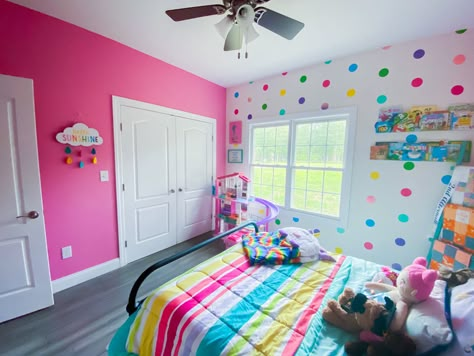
225, 306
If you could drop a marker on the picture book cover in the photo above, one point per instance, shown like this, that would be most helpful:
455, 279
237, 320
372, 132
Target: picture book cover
436, 120
379, 152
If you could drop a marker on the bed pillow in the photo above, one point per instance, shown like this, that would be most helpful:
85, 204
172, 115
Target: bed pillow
462, 311
426, 323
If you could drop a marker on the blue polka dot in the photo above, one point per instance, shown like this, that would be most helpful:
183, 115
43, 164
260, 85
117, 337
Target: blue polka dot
412, 138
295, 219
400, 241
370, 223
301, 100
249, 116
340, 230
236, 94
353, 67
445, 179
397, 266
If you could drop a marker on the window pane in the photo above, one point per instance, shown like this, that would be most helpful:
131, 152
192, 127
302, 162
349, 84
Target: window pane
315, 180
298, 199
335, 156
313, 201
256, 175
270, 134
332, 182
303, 134
269, 155
281, 155
279, 177
258, 155
300, 178
331, 204
282, 133
258, 137
319, 133
301, 155
336, 132
318, 156
279, 196
267, 176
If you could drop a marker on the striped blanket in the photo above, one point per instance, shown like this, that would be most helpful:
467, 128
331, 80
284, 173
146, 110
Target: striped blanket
226, 306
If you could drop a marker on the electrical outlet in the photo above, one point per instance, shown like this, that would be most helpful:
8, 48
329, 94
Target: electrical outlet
66, 252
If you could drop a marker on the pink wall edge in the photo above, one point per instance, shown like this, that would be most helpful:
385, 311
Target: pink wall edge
75, 74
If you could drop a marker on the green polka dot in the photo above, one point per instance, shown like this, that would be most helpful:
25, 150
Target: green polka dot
403, 218
282, 112
381, 99
251, 82
340, 230
327, 62
383, 72
409, 166
264, 107
460, 32
277, 221
303, 78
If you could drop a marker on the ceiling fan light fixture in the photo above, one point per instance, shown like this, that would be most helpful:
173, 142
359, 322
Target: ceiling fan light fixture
223, 26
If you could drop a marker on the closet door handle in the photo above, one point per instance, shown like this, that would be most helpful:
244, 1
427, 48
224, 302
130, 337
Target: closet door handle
180, 189
172, 191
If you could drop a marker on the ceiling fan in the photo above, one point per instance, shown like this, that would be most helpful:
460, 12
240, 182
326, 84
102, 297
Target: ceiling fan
237, 25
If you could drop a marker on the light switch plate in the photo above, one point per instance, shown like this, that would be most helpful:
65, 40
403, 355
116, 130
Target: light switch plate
66, 252
104, 176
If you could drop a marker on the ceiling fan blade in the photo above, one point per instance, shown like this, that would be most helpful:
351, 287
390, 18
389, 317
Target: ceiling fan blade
280, 24
224, 26
188, 13
251, 34
234, 39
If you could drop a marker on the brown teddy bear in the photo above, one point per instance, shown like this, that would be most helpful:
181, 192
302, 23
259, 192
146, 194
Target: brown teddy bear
394, 343
355, 313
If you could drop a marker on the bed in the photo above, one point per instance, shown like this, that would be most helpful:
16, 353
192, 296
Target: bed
226, 306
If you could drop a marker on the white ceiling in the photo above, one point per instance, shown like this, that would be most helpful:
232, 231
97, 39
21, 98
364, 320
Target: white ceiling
333, 28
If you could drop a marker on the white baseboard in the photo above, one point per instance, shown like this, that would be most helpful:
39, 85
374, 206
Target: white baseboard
84, 275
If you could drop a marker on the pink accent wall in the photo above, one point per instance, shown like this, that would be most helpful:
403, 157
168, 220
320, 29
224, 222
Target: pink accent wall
75, 74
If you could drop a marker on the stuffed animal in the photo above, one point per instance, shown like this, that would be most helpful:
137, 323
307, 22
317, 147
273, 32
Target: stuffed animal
308, 244
393, 343
414, 284
355, 313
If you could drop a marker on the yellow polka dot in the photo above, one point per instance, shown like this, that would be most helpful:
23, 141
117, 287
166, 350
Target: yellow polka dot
338, 250
236, 145
261, 211
351, 92
283, 92
374, 175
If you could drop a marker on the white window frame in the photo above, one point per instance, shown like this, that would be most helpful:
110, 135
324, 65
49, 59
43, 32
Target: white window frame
350, 115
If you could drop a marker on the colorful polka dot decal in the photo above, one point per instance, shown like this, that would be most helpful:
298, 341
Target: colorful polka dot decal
406, 192
403, 218
375, 86
370, 223
374, 175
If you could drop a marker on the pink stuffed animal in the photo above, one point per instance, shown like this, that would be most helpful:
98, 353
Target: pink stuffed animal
414, 284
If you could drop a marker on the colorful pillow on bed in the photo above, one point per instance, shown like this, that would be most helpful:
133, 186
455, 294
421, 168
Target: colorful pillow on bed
462, 312
269, 248
427, 324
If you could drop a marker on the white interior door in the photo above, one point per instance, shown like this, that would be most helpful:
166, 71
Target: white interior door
194, 180
25, 282
149, 178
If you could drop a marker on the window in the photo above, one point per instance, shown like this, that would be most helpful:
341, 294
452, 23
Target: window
304, 163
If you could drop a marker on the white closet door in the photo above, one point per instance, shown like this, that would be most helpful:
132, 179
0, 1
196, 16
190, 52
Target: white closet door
194, 178
149, 177
25, 283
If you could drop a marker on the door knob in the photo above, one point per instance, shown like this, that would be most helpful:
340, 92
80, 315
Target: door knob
172, 191
180, 189
31, 215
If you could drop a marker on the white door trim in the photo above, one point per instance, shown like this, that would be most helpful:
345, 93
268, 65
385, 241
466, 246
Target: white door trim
117, 102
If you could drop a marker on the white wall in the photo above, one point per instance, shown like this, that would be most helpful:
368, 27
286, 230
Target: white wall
439, 73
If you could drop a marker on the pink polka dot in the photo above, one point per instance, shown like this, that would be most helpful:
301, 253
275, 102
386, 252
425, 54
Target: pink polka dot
368, 246
326, 83
284, 73
324, 106
370, 199
249, 99
236, 111
417, 82
265, 87
459, 59
457, 90
406, 192
386, 47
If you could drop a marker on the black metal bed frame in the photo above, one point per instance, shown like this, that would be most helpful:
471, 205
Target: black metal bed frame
132, 305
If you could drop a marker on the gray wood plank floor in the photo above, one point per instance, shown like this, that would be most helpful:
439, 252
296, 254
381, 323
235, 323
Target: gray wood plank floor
84, 318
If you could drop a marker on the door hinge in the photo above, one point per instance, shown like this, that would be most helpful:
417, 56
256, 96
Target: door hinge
123, 187
126, 244
212, 138
121, 127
